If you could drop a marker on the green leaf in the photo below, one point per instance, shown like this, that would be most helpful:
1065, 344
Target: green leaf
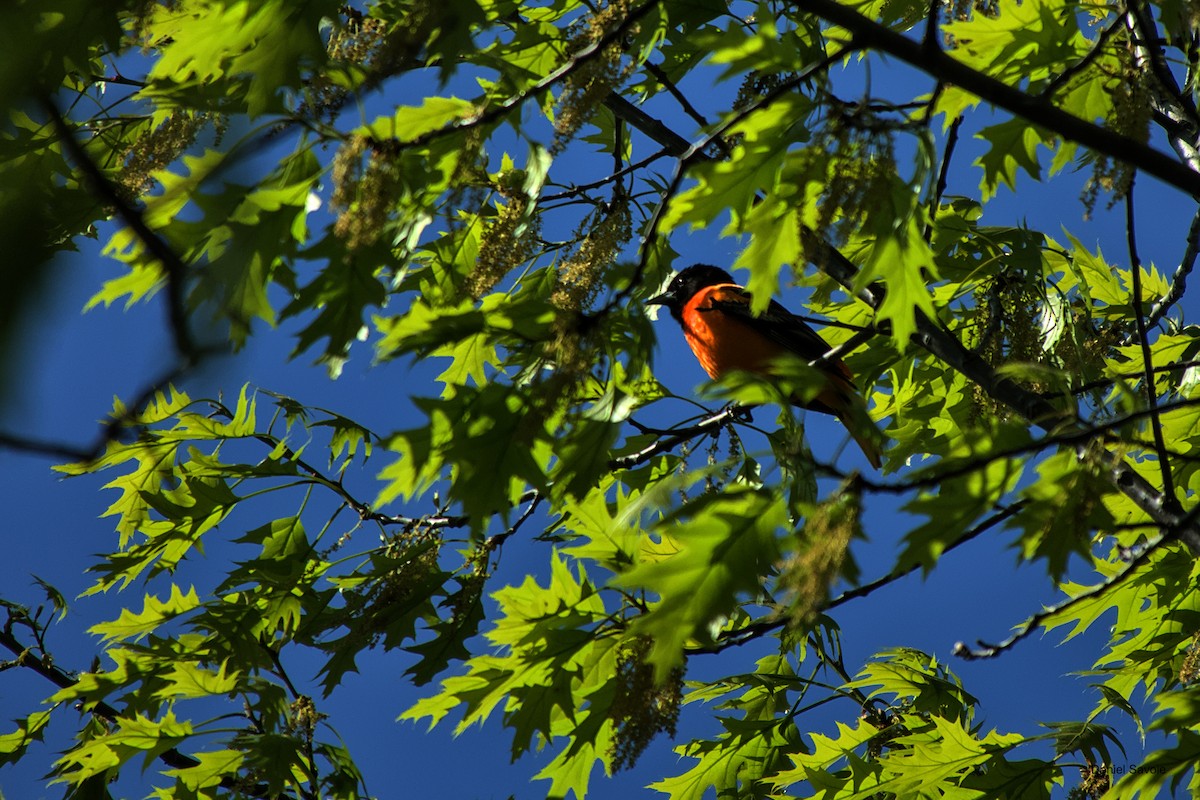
489, 439
1012, 145
279, 758
757, 737
133, 736
411, 122
905, 674
583, 454
418, 464
1062, 507
212, 767
546, 668
154, 613
1020, 42
901, 262
943, 754
451, 634
341, 295
30, 729
254, 246
1163, 770
54, 596
724, 544
185, 680
822, 766
1098, 279
602, 532
774, 230
241, 50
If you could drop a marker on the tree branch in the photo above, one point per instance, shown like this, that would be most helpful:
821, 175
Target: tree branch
1135, 269
1179, 281
943, 178
709, 424
870, 34
764, 626
674, 144
665, 79
45, 667
363, 510
1169, 100
188, 353
1031, 623
174, 270
575, 191
500, 538
108, 432
939, 342
937, 474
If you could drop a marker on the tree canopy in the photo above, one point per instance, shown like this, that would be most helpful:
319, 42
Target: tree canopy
550, 536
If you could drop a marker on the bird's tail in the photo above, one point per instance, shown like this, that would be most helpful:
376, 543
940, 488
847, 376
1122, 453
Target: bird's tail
840, 397
851, 410
869, 440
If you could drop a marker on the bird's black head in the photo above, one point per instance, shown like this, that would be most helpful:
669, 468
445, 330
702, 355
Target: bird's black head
687, 283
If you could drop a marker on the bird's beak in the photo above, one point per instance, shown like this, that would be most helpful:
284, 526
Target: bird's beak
663, 299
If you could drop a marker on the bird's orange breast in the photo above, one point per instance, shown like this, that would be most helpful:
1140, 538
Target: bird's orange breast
723, 343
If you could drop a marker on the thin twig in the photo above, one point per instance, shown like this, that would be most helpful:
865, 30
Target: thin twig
1060, 80
495, 541
851, 344
618, 153
1033, 621
575, 191
707, 425
110, 431
932, 17
363, 510
672, 142
1149, 42
174, 270
1135, 269
665, 79
1179, 281
119, 80
764, 626
943, 178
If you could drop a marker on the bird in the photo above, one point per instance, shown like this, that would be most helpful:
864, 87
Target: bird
725, 335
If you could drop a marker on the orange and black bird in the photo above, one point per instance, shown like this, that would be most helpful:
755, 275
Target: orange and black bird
715, 315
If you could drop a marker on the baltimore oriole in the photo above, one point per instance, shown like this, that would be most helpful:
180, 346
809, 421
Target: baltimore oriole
715, 315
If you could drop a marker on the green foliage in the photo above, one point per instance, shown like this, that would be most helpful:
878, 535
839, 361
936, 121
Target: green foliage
498, 187
718, 545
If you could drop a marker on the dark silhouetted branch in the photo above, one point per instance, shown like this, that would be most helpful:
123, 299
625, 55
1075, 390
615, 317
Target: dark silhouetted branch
174, 270
1135, 269
764, 626
1032, 622
870, 34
